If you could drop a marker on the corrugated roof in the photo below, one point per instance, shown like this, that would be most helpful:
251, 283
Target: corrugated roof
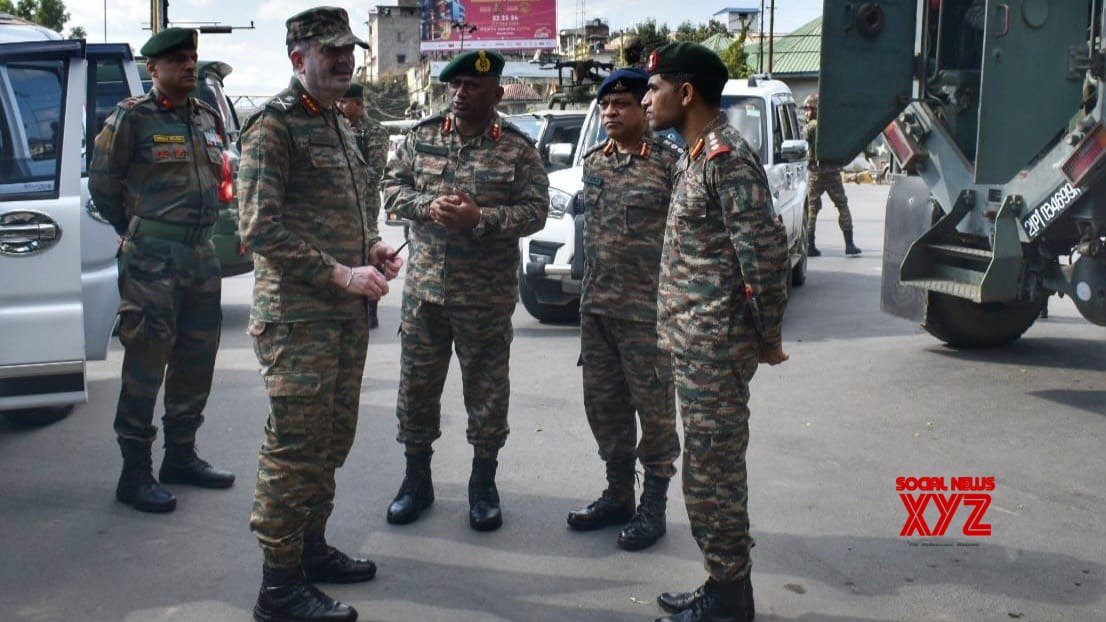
718, 42
796, 53
519, 92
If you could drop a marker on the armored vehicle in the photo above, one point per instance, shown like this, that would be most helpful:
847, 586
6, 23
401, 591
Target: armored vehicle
993, 109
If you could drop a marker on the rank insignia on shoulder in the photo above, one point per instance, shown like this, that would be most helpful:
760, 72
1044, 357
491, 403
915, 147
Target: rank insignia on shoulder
310, 105
717, 147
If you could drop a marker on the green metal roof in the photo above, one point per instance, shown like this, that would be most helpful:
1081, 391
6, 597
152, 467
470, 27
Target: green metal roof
796, 53
718, 42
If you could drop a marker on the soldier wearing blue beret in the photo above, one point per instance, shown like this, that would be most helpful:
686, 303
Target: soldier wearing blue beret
720, 305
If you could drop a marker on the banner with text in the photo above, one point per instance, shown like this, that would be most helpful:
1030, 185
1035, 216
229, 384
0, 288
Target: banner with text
450, 25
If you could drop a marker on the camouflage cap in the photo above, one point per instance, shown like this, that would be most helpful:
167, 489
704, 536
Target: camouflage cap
624, 81
811, 101
171, 40
356, 91
326, 24
475, 63
687, 57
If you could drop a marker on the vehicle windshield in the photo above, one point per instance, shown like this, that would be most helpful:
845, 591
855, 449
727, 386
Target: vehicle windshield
747, 115
528, 123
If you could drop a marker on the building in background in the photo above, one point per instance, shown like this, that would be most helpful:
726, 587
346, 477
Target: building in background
393, 40
734, 19
505, 25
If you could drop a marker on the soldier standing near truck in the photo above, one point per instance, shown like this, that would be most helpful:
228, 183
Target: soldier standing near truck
720, 308
155, 177
627, 186
824, 178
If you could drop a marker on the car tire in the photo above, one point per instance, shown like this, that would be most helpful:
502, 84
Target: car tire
37, 417
546, 314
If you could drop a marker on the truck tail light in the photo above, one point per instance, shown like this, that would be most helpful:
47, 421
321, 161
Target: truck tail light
907, 150
1087, 157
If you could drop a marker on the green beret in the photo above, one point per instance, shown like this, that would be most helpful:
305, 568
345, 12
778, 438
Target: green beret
355, 91
326, 24
474, 63
687, 57
171, 40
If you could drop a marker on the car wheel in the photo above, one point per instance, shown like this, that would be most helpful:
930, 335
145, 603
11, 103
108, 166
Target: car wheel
546, 314
37, 417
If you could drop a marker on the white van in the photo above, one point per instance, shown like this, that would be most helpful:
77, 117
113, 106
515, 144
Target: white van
58, 292
763, 110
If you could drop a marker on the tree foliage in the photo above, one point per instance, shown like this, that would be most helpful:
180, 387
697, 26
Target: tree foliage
697, 33
48, 13
651, 36
77, 32
387, 99
734, 57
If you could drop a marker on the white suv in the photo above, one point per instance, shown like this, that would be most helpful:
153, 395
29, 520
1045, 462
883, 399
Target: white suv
763, 110
57, 256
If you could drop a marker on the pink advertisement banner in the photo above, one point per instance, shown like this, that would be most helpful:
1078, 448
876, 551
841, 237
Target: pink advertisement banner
489, 24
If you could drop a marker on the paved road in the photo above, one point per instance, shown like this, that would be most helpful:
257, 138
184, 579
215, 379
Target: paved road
866, 398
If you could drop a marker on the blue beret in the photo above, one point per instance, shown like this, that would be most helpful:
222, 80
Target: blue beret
628, 80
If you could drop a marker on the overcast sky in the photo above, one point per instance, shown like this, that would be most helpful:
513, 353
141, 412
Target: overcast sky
261, 64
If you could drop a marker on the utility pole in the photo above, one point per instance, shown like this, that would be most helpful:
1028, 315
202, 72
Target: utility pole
159, 15
771, 35
760, 46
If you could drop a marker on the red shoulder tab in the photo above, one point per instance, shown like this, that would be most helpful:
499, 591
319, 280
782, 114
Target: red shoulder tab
719, 150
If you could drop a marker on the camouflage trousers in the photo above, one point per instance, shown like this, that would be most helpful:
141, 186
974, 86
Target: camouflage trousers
312, 373
482, 337
714, 407
830, 183
624, 371
169, 320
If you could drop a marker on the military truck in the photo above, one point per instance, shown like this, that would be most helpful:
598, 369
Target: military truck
993, 109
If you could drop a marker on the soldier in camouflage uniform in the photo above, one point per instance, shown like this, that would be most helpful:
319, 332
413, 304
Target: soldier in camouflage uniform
627, 186
155, 176
824, 179
306, 205
720, 305
372, 140
471, 185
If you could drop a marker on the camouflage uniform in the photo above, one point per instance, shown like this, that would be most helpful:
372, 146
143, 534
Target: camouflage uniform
824, 179
155, 177
626, 202
462, 286
372, 140
305, 198
722, 236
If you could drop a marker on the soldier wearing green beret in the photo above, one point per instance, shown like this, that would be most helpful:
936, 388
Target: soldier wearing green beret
471, 185
306, 211
372, 140
720, 305
155, 175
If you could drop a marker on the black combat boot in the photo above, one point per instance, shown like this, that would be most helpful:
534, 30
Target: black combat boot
323, 563
416, 493
137, 486
286, 596
484, 513
648, 524
675, 602
811, 249
717, 602
182, 466
614, 507
850, 248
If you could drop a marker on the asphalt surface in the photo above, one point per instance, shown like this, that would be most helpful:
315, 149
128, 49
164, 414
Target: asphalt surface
864, 399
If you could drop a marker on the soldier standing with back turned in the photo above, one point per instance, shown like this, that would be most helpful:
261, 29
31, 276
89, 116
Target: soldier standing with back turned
305, 200
720, 308
627, 185
155, 177
471, 185
824, 179
372, 140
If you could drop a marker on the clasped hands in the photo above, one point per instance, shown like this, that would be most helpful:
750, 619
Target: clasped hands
456, 210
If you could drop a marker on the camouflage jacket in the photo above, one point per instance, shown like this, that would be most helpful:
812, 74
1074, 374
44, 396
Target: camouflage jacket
502, 171
158, 161
810, 133
722, 234
372, 140
304, 201
626, 199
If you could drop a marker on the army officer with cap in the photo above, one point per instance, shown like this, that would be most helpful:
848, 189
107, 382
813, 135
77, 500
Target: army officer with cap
627, 185
471, 185
155, 176
306, 212
719, 311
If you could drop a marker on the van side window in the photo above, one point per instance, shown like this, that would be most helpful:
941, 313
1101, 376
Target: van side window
32, 126
108, 86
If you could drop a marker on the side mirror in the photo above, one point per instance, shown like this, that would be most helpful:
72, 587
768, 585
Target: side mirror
561, 153
793, 151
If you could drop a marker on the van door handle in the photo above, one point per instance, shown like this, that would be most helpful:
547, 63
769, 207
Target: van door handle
27, 238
